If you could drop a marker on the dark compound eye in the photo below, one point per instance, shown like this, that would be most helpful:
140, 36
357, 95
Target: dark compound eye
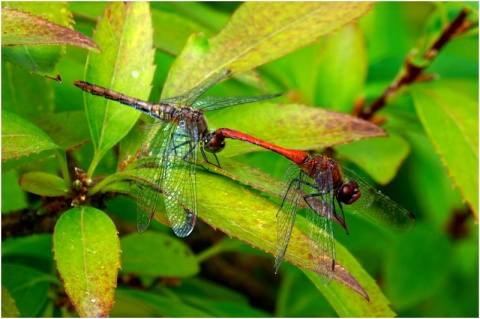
349, 192
213, 143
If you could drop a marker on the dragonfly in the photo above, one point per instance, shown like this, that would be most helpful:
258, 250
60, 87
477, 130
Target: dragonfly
320, 179
168, 156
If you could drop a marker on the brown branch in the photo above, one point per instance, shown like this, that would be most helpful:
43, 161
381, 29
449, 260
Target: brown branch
413, 72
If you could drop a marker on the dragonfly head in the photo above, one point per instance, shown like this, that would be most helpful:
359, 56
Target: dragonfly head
213, 142
349, 192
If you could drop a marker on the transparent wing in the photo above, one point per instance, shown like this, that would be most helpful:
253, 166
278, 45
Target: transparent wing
379, 207
192, 95
211, 103
179, 181
288, 210
319, 226
150, 170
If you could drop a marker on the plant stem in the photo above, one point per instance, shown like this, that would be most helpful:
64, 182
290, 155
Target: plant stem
62, 158
413, 72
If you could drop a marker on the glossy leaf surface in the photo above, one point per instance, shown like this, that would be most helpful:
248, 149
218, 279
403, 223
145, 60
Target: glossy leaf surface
125, 35
244, 214
44, 184
260, 32
87, 252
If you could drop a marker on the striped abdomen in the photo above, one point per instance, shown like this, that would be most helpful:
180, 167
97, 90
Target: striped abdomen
161, 111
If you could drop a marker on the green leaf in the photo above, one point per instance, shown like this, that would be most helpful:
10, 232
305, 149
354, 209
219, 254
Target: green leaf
9, 308
356, 307
343, 64
14, 198
258, 226
257, 33
419, 281
87, 252
125, 35
379, 26
38, 246
43, 184
226, 309
135, 303
197, 286
173, 39
381, 158
26, 94
157, 255
293, 126
90, 11
21, 28
22, 138
216, 300
40, 59
426, 166
209, 17
27, 286
68, 129
450, 119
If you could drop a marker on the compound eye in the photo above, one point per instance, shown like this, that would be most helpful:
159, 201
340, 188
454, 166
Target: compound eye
349, 193
219, 147
213, 144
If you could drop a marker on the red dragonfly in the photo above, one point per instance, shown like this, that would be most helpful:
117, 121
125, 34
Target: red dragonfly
320, 177
169, 152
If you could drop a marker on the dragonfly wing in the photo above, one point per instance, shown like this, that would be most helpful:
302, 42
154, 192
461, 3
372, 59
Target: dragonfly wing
379, 207
288, 211
150, 171
211, 103
179, 183
320, 229
189, 97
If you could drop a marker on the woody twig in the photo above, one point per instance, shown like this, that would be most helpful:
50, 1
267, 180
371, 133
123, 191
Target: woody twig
413, 72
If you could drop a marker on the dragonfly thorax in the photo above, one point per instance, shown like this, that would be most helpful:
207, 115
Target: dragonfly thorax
192, 122
328, 176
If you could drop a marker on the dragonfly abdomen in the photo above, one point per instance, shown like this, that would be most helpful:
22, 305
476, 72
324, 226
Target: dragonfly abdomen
140, 105
163, 112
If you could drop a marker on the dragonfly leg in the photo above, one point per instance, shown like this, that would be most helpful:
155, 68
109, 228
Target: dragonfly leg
205, 158
343, 214
334, 210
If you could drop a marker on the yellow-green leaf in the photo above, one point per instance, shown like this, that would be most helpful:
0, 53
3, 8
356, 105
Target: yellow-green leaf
450, 118
40, 59
257, 33
43, 184
124, 33
87, 252
22, 28
9, 308
292, 125
21, 138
